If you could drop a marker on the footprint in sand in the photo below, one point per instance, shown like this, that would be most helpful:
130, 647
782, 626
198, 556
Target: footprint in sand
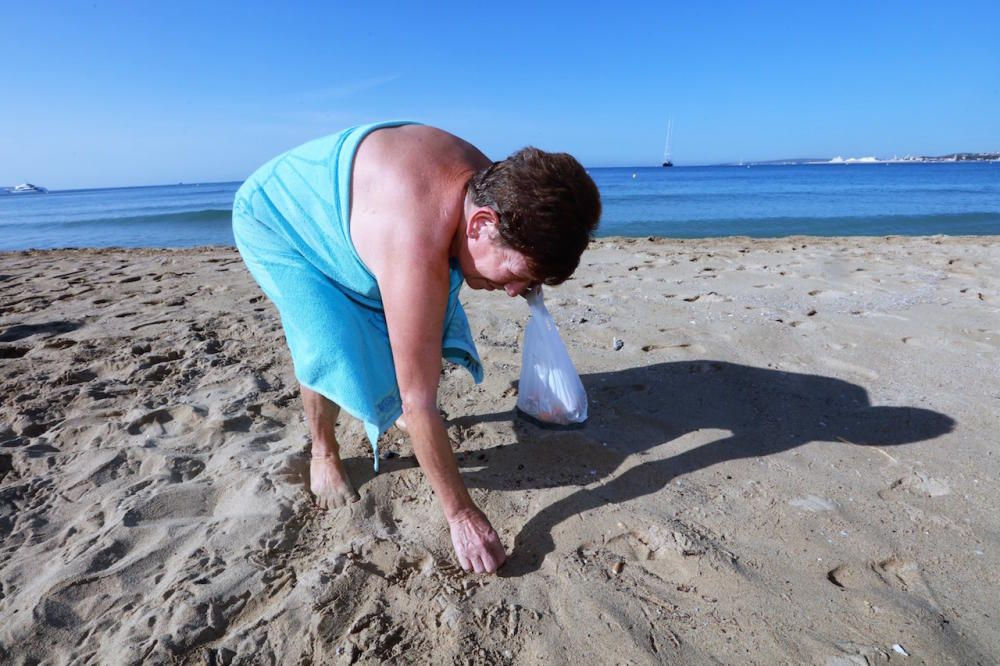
6, 467
183, 468
898, 571
59, 343
21, 331
919, 484
178, 505
13, 351
894, 571
166, 421
73, 377
849, 576
671, 552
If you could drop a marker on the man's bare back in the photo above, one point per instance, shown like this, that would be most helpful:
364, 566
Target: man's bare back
405, 176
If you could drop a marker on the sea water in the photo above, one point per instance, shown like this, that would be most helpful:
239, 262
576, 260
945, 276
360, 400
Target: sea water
682, 202
164, 216
818, 200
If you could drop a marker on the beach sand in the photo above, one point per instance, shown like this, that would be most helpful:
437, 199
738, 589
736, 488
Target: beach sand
792, 458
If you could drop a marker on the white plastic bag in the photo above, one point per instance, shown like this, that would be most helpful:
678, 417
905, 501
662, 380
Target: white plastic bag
550, 390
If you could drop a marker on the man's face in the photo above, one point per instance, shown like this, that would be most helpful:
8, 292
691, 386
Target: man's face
495, 266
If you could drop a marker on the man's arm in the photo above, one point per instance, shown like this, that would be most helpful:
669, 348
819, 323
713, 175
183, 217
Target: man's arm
415, 289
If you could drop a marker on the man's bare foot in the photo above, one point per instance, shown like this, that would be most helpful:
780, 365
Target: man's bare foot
329, 483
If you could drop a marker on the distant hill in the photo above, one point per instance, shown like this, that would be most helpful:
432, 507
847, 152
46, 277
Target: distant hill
966, 157
908, 159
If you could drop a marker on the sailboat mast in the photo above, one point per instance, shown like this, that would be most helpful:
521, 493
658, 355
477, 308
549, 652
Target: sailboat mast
666, 146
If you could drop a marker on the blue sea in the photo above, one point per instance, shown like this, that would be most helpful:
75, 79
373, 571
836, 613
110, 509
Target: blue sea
684, 202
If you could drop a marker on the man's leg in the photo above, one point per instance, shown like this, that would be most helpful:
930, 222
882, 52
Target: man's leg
327, 478
296, 288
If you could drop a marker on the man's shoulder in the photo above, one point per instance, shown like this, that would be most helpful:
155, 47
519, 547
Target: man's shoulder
407, 195
412, 151
417, 168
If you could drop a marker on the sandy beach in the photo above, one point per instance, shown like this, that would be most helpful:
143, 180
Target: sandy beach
791, 458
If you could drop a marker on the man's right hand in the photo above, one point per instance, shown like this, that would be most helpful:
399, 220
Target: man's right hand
476, 542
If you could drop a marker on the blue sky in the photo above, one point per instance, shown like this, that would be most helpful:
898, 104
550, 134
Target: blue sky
129, 93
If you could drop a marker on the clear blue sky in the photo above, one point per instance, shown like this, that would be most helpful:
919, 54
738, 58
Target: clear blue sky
127, 93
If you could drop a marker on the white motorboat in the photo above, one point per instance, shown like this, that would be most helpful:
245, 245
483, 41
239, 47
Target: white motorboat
27, 188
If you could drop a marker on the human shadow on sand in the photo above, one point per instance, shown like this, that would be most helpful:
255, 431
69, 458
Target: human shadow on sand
636, 410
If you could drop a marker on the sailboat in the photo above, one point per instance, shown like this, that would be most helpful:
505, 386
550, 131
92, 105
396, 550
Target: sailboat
666, 147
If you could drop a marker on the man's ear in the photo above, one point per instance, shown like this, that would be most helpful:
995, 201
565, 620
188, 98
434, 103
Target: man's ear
483, 220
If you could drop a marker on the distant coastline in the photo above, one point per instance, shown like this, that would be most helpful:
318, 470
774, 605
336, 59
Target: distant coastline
906, 159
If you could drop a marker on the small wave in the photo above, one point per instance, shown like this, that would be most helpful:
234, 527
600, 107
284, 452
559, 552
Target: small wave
958, 224
182, 219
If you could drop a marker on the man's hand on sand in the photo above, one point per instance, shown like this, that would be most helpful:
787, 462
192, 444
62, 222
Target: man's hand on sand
476, 542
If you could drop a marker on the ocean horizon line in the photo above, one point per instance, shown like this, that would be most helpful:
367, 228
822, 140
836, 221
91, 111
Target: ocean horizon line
790, 162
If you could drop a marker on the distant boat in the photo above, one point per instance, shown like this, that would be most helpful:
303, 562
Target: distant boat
27, 188
666, 147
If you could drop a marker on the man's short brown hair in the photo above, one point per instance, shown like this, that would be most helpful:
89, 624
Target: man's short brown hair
548, 208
